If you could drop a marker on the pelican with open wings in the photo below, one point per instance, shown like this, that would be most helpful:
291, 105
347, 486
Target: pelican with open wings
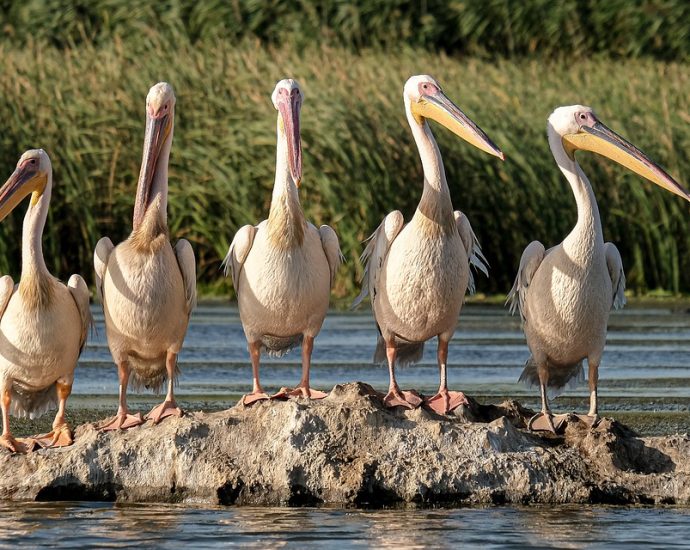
148, 288
283, 269
417, 273
43, 323
564, 294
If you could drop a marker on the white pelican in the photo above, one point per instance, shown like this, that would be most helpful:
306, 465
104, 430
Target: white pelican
564, 294
417, 274
148, 289
43, 323
283, 269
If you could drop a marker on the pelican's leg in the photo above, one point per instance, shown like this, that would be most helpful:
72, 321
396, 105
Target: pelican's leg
445, 401
543, 421
258, 394
61, 435
6, 440
169, 406
303, 389
122, 420
592, 417
395, 396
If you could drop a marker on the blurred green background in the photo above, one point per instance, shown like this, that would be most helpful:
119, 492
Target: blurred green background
75, 76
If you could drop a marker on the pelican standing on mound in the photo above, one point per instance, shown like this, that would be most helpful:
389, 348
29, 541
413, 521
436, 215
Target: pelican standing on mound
43, 323
148, 289
565, 294
417, 273
283, 269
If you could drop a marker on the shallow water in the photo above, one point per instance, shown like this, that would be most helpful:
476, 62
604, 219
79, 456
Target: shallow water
644, 375
82, 525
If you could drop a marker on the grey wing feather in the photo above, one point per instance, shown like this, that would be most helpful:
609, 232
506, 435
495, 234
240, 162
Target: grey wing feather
331, 247
81, 295
100, 262
6, 290
376, 251
472, 248
238, 252
615, 266
529, 263
185, 259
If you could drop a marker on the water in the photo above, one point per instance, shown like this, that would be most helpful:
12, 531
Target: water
83, 525
645, 369
645, 381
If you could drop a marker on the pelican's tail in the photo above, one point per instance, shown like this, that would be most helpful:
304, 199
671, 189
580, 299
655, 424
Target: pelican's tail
148, 373
560, 377
31, 403
277, 346
408, 352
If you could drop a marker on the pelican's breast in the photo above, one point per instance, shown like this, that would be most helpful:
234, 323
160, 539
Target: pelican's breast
284, 291
144, 300
39, 346
423, 284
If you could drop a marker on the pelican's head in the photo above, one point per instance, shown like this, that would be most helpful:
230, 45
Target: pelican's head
580, 129
160, 112
425, 99
287, 99
30, 176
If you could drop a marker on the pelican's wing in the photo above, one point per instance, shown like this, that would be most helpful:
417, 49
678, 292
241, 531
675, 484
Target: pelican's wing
6, 290
529, 263
80, 292
185, 259
331, 246
375, 253
100, 262
615, 265
472, 247
238, 251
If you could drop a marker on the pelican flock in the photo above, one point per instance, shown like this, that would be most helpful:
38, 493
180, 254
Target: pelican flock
43, 323
148, 289
283, 269
417, 273
564, 294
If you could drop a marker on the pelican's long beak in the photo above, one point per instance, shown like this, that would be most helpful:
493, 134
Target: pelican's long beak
24, 180
289, 108
600, 139
438, 107
157, 131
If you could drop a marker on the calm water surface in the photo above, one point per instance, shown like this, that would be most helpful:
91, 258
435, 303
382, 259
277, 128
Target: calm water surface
645, 380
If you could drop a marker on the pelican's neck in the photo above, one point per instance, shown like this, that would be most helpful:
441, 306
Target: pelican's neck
587, 237
286, 222
34, 284
435, 205
153, 229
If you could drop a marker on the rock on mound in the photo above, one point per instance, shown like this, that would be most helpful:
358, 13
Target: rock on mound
349, 449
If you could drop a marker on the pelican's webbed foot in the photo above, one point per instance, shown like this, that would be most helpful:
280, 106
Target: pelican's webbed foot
17, 445
592, 420
251, 398
121, 421
61, 436
547, 422
399, 398
446, 401
300, 391
165, 409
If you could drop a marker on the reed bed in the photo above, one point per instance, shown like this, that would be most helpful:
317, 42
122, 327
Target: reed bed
85, 105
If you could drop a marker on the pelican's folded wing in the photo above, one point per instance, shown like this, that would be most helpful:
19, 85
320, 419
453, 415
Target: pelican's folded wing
472, 247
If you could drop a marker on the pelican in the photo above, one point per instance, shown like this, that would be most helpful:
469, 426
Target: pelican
43, 323
564, 294
148, 289
417, 273
283, 269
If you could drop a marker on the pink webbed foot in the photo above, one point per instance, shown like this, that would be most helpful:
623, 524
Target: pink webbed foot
399, 398
445, 401
22, 445
300, 391
122, 421
590, 419
547, 422
251, 398
58, 437
164, 410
